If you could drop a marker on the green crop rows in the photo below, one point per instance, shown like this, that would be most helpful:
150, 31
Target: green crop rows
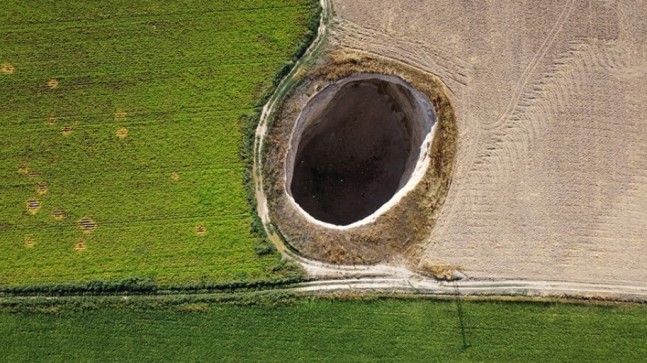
120, 128
334, 331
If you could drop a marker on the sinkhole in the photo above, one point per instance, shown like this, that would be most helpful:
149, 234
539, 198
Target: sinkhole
358, 144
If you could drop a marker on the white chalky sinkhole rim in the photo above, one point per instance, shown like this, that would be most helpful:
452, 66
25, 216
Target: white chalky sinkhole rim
419, 171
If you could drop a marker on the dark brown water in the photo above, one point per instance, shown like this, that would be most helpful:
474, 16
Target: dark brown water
351, 159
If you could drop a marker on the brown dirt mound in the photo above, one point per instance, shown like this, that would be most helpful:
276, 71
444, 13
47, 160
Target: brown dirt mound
33, 206
175, 176
87, 224
52, 83
439, 271
7, 68
23, 169
201, 230
33, 174
122, 133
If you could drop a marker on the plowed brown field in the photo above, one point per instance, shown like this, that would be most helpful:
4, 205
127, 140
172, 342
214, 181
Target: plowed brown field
551, 102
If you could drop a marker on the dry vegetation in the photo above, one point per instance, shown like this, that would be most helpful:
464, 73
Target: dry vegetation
551, 103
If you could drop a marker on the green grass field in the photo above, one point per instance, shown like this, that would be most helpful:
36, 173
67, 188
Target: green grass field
322, 330
127, 114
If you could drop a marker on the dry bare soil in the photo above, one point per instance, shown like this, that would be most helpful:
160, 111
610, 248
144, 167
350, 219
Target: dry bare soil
551, 101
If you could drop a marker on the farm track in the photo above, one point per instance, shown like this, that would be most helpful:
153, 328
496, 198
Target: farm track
536, 95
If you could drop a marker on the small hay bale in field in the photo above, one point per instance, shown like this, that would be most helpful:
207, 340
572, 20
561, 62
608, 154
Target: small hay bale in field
23, 169
41, 188
87, 224
58, 214
66, 130
122, 133
175, 176
33, 205
52, 83
7, 68
120, 115
29, 241
80, 246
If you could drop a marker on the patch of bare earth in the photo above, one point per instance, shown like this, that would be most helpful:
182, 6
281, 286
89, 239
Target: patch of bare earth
551, 104
175, 176
201, 230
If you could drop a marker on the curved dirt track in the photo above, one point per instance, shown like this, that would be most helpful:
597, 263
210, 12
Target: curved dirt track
550, 192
